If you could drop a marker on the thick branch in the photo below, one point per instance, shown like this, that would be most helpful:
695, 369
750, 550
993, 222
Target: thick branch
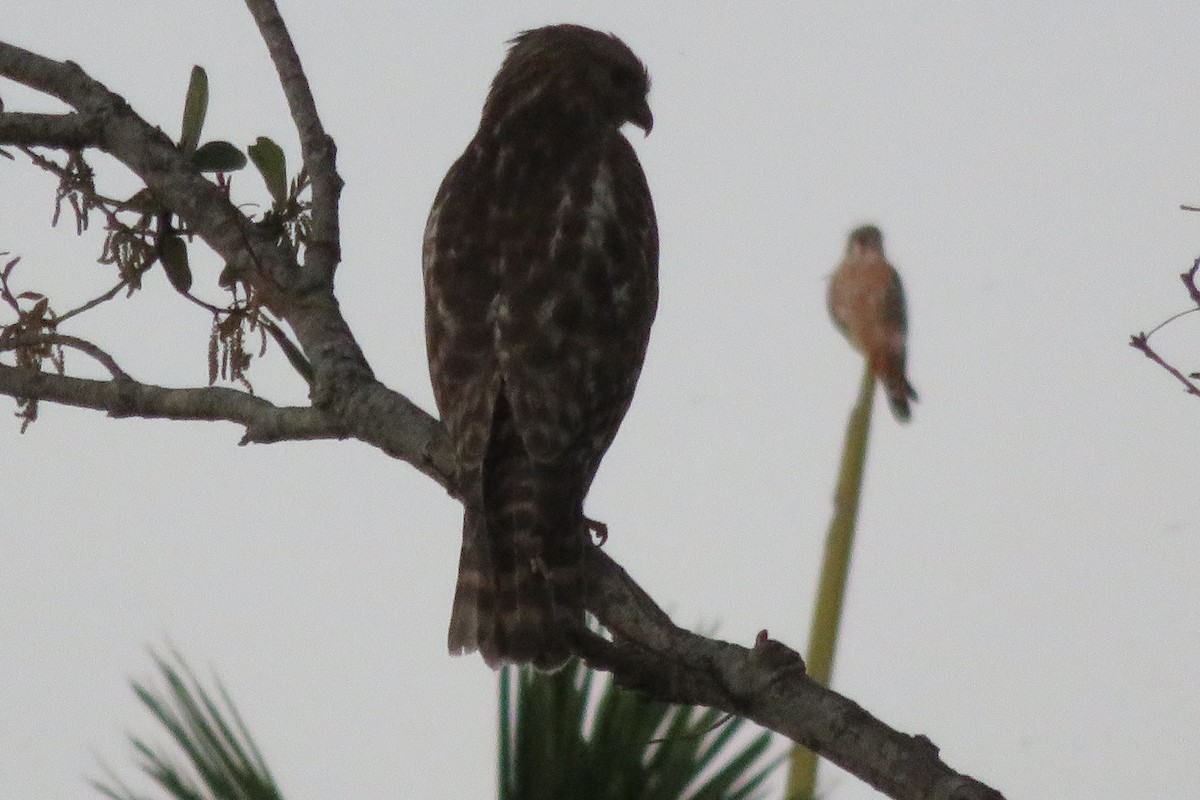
263, 421
765, 683
63, 131
374, 414
316, 146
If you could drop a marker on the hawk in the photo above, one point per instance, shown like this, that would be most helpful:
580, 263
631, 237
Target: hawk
540, 265
866, 301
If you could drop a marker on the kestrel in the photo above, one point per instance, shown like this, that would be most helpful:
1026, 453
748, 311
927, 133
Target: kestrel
866, 301
541, 283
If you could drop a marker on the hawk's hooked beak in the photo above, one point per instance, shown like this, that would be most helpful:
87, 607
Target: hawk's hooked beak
642, 117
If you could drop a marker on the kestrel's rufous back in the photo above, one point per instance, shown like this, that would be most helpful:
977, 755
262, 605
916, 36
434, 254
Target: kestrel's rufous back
866, 302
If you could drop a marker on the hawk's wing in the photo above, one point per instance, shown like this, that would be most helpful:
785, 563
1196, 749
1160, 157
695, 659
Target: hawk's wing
577, 295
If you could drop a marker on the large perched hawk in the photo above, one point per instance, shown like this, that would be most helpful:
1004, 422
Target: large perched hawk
541, 282
866, 302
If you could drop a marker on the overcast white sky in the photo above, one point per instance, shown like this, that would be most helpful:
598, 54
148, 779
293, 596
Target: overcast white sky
1025, 584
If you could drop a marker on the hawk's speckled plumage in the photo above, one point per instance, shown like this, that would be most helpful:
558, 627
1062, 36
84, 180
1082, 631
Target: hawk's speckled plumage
541, 283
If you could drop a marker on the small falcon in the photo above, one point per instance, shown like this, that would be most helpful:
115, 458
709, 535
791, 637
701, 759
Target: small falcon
866, 302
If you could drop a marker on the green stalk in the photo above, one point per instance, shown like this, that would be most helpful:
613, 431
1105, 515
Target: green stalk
827, 613
504, 734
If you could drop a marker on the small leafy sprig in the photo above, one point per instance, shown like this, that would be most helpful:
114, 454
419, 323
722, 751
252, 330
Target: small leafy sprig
141, 231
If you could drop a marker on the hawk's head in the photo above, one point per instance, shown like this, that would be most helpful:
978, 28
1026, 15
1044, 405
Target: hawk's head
571, 74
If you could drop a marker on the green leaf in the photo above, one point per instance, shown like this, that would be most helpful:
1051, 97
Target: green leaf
272, 165
195, 107
213, 755
218, 156
573, 734
173, 252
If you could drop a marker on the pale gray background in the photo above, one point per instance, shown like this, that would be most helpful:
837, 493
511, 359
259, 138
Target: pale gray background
1025, 584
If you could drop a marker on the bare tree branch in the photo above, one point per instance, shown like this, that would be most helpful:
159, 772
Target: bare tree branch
263, 421
293, 354
316, 146
374, 415
66, 131
95, 301
1141, 341
765, 683
1189, 281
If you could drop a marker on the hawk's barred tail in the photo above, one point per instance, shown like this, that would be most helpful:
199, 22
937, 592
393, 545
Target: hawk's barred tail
474, 595
519, 581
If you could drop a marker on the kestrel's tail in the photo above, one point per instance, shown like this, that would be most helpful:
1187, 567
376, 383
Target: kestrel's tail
890, 371
899, 393
519, 574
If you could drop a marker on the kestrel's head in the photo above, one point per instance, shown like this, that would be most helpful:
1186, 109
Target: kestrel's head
572, 72
867, 237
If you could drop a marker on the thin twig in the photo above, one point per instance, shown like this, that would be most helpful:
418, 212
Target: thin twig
1169, 320
63, 173
316, 146
1138, 341
1189, 280
95, 301
1141, 341
65, 340
293, 353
